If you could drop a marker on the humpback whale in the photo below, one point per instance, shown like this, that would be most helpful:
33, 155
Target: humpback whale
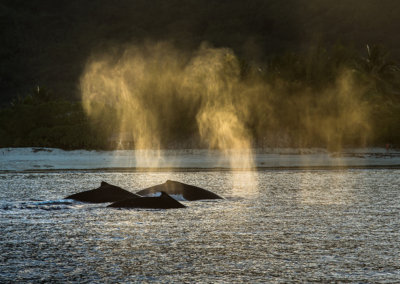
189, 192
105, 193
164, 201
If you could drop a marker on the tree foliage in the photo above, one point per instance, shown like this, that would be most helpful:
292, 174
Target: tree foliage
318, 98
40, 119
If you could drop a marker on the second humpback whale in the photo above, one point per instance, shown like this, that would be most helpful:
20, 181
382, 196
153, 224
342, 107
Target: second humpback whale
164, 201
188, 192
105, 193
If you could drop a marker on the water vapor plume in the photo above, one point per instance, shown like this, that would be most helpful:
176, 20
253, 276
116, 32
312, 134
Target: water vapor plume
221, 118
156, 96
223, 113
130, 84
155, 89
337, 116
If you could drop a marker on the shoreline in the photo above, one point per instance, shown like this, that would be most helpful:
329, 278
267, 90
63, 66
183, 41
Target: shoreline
155, 170
54, 160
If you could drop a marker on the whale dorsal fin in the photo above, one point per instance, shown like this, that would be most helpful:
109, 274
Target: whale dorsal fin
103, 183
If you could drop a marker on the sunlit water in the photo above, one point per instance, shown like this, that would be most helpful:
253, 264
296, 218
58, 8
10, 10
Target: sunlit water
285, 226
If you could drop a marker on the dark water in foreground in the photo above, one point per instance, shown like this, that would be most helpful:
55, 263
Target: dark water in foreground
292, 226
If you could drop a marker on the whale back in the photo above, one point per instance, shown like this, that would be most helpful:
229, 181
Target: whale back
164, 201
105, 193
189, 192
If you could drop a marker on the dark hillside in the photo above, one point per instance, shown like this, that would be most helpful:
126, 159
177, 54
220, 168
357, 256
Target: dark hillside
47, 42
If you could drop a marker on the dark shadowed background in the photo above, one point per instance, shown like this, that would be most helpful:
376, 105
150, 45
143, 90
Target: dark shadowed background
47, 42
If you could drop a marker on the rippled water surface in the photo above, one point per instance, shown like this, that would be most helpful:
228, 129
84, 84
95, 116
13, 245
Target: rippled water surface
277, 226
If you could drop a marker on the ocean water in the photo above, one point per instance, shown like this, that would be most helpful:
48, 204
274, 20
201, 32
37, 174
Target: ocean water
272, 226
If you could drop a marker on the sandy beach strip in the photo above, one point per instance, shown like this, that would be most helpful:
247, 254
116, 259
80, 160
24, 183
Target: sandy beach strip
49, 159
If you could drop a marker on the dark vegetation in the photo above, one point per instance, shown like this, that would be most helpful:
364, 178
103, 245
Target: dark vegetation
40, 119
298, 45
